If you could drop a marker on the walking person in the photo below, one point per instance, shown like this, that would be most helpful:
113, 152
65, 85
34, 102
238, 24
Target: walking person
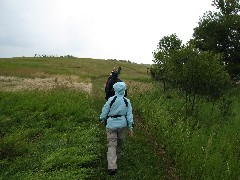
112, 79
117, 112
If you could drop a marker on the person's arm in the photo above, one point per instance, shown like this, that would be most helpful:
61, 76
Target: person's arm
130, 119
105, 87
108, 86
105, 111
130, 116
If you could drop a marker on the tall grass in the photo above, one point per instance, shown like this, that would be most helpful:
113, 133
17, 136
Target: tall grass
48, 135
204, 146
55, 134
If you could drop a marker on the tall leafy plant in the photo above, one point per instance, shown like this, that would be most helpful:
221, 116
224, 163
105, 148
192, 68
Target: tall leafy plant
161, 55
197, 74
219, 32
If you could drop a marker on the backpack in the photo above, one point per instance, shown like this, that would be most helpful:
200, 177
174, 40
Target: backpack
114, 99
115, 116
111, 103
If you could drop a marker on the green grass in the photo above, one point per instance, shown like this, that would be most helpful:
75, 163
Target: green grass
204, 146
83, 67
55, 134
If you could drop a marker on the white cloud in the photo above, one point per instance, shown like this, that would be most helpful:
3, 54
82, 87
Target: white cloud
126, 29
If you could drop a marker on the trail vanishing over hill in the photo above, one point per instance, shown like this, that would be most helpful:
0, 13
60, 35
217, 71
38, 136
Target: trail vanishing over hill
144, 156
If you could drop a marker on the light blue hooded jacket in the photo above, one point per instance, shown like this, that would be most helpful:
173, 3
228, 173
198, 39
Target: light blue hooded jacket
118, 108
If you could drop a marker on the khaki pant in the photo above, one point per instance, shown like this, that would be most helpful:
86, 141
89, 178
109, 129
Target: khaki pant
115, 139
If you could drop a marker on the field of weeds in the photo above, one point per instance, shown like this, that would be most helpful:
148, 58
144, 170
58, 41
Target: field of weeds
49, 120
49, 128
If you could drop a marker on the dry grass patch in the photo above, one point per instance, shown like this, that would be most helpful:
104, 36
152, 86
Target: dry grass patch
13, 83
138, 87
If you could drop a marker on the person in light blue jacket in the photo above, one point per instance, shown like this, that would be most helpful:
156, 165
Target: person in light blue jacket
117, 112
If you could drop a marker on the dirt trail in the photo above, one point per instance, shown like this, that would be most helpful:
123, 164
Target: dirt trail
12, 83
170, 170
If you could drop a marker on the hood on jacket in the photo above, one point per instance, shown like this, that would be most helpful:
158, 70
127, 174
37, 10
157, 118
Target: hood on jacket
119, 88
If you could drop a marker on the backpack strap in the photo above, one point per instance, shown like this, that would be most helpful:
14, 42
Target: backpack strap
126, 102
114, 99
111, 103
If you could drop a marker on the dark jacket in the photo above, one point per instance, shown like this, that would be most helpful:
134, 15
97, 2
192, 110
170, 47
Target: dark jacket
109, 91
109, 87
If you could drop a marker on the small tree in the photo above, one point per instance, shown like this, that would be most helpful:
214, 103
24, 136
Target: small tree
197, 74
161, 55
219, 32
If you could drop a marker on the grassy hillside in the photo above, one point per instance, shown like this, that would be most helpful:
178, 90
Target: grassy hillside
49, 122
85, 68
49, 110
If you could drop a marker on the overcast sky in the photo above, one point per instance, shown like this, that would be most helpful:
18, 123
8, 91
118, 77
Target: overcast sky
105, 29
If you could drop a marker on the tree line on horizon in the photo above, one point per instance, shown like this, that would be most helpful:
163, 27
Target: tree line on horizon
44, 55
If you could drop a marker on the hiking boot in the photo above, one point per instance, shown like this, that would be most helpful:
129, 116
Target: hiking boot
112, 171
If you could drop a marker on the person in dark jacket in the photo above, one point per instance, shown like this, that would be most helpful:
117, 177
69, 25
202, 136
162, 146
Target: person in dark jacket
117, 112
109, 85
108, 79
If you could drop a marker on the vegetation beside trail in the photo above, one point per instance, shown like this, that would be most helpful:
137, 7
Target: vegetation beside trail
196, 113
47, 135
55, 134
202, 146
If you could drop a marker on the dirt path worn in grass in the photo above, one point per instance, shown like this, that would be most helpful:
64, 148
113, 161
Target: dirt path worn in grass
170, 170
12, 83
